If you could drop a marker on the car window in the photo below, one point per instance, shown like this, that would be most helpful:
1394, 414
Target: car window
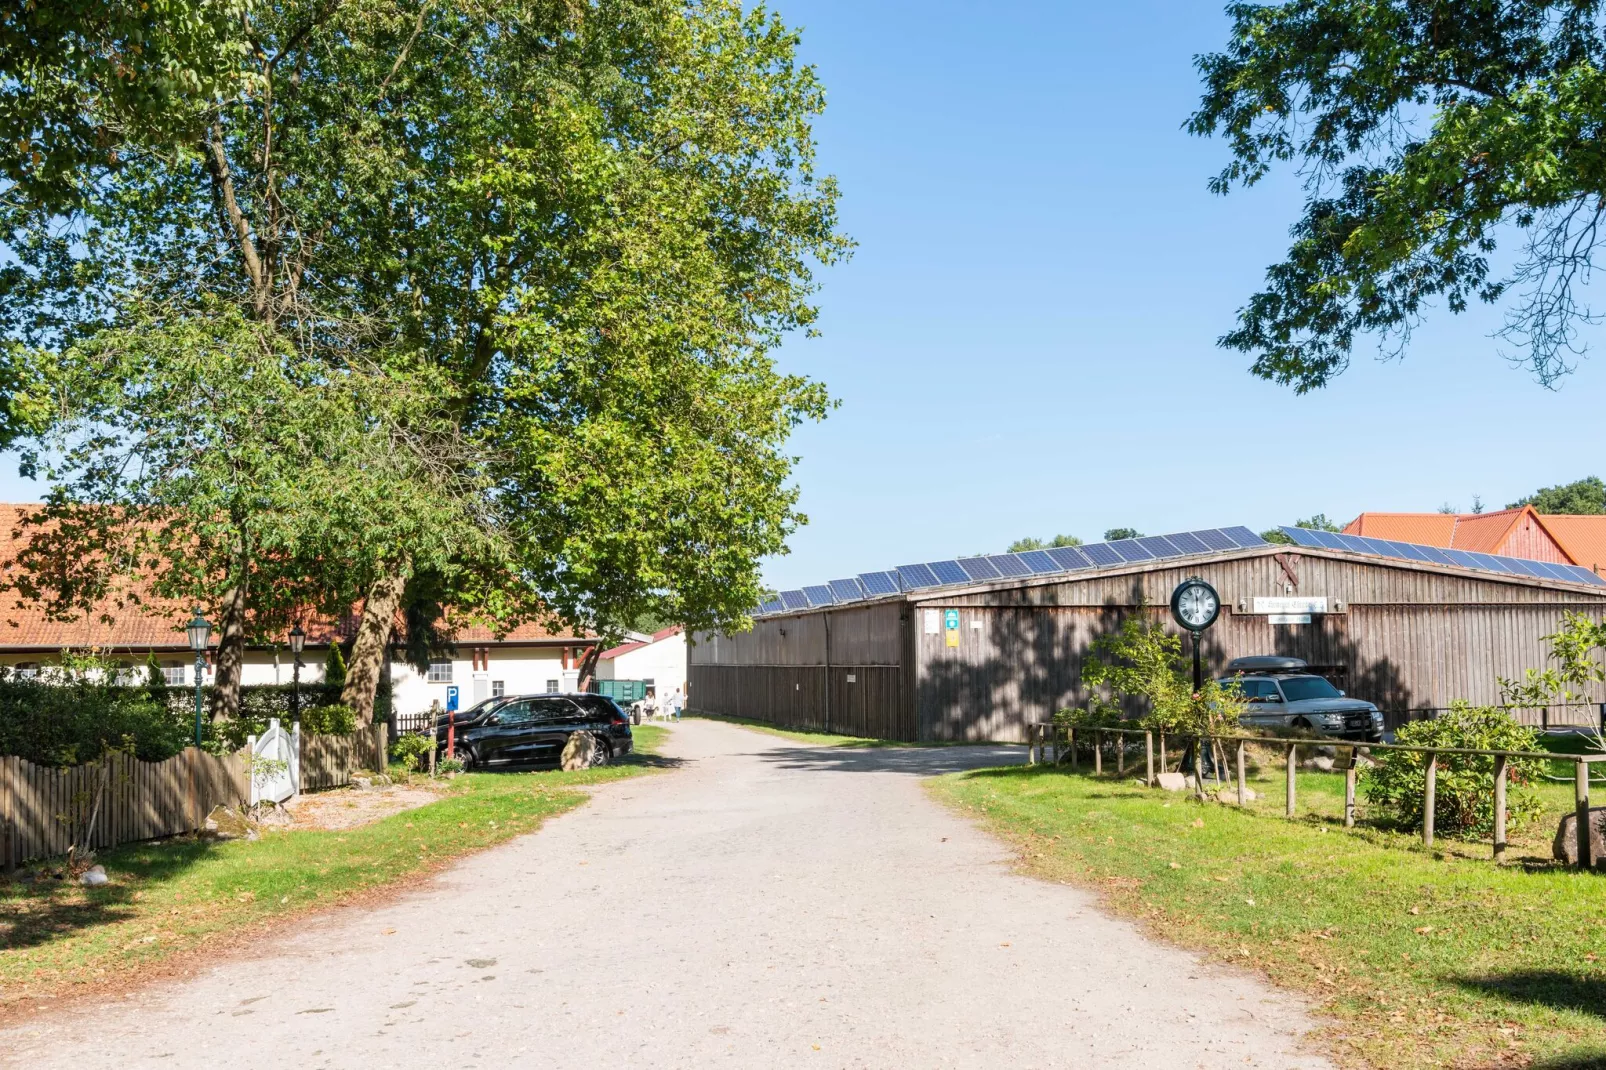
1254, 690
1300, 688
552, 709
515, 713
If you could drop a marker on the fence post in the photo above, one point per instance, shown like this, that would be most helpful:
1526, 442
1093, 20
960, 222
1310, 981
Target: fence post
1120, 752
1148, 752
1243, 795
1292, 750
1033, 734
1098, 752
1165, 766
1429, 796
1070, 744
1499, 807
1054, 737
1581, 790
1349, 787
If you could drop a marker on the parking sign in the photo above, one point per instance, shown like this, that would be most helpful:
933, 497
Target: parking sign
451, 697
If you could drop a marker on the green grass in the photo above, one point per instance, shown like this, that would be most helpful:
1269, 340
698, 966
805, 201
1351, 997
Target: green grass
175, 896
1420, 959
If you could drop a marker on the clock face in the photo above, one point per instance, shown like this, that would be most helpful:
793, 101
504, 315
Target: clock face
1195, 604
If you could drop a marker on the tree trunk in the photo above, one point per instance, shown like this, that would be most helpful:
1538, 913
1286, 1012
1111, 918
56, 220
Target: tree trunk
231, 641
588, 665
372, 648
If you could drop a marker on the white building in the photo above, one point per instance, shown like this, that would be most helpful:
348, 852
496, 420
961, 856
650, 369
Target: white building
658, 659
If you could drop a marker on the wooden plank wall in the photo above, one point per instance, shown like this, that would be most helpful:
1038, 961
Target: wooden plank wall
43, 810
331, 761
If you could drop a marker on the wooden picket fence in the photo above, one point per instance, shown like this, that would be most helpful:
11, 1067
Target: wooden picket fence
46, 810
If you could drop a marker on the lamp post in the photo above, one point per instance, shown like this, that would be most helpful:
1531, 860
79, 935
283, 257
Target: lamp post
199, 630
298, 640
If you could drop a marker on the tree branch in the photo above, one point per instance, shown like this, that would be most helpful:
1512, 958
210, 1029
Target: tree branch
223, 182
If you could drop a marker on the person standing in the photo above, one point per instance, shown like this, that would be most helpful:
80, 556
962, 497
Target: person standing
676, 701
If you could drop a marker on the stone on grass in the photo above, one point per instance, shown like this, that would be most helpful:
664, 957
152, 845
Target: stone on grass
1565, 849
1327, 751
371, 782
227, 823
1320, 764
580, 752
94, 877
1229, 795
1171, 782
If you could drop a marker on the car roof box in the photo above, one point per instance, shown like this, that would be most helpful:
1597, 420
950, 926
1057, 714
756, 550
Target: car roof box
1267, 663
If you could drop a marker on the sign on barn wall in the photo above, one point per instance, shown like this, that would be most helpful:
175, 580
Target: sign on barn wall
1281, 606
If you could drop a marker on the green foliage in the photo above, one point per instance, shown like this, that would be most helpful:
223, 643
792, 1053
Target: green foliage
1029, 543
1122, 533
334, 665
1464, 788
259, 705
155, 680
73, 713
1141, 663
1423, 137
410, 749
1585, 496
448, 765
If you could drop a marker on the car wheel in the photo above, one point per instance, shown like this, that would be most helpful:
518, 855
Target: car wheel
1299, 722
470, 760
604, 751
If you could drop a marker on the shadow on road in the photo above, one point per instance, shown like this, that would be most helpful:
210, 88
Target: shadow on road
913, 761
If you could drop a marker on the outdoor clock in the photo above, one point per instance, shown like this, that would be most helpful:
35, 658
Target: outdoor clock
1195, 604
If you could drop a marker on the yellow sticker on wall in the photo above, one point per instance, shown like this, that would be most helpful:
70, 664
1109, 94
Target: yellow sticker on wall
950, 621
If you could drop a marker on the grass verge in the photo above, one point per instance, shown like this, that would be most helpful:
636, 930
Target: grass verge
1420, 959
171, 898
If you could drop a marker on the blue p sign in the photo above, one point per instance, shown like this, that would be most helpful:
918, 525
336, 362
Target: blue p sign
451, 698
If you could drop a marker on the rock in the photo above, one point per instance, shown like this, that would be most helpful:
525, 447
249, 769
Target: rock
94, 877
1565, 849
1172, 782
1229, 795
1320, 764
1363, 762
1327, 751
227, 823
580, 752
371, 782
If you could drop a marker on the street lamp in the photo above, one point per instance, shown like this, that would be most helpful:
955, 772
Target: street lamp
298, 641
198, 630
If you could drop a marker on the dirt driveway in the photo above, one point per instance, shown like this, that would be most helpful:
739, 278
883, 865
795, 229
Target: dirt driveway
768, 904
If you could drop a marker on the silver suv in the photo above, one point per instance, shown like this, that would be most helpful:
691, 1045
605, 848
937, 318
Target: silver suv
1282, 694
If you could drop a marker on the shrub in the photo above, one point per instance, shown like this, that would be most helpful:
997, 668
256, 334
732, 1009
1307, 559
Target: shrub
1464, 790
73, 715
331, 720
410, 749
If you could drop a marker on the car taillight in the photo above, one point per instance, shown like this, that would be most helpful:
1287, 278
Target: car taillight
618, 718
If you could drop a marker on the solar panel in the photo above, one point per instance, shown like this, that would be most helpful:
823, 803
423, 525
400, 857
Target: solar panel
1243, 536
1100, 554
1462, 558
1556, 571
879, 584
1159, 546
847, 590
1040, 562
916, 576
771, 606
1130, 550
1215, 540
1301, 536
1584, 575
1411, 552
1009, 565
1527, 568
1434, 554
794, 600
819, 595
1328, 540
1069, 558
1493, 563
1187, 542
948, 572
1352, 543
978, 568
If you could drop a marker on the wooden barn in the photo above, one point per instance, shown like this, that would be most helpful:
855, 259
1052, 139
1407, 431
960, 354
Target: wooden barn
1405, 627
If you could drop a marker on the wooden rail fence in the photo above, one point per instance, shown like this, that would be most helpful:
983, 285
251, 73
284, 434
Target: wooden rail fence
1045, 737
46, 810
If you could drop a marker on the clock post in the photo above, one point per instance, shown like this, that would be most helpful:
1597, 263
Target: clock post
1195, 605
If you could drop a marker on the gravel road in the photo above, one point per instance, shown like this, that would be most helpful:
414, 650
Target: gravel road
768, 904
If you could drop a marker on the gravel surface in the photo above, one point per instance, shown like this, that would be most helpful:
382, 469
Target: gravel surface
768, 904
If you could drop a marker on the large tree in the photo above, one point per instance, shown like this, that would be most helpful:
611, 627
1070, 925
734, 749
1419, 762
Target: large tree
583, 225
1425, 131
1587, 495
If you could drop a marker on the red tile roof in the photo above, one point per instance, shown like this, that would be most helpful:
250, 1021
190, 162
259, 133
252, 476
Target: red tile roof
1583, 537
1519, 532
155, 623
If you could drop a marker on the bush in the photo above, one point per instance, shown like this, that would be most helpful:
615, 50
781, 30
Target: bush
1464, 791
331, 720
71, 717
411, 749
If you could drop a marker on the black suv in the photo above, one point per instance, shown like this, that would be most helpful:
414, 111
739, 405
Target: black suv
534, 728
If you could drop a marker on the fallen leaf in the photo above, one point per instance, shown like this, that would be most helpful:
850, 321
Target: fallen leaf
1424, 930
389, 932
1198, 822
1176, 865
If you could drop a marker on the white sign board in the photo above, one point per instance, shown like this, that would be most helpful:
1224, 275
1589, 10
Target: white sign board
1291, 605
277, 783
1289, 618
933, 621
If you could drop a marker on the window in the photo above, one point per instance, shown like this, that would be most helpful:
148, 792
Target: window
27, 670
173, 673
515, 713
552, 687
550, 710
440, 671
1300, 688
498, 688
125, 675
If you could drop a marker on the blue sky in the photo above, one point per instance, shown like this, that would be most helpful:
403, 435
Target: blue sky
1023, 343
